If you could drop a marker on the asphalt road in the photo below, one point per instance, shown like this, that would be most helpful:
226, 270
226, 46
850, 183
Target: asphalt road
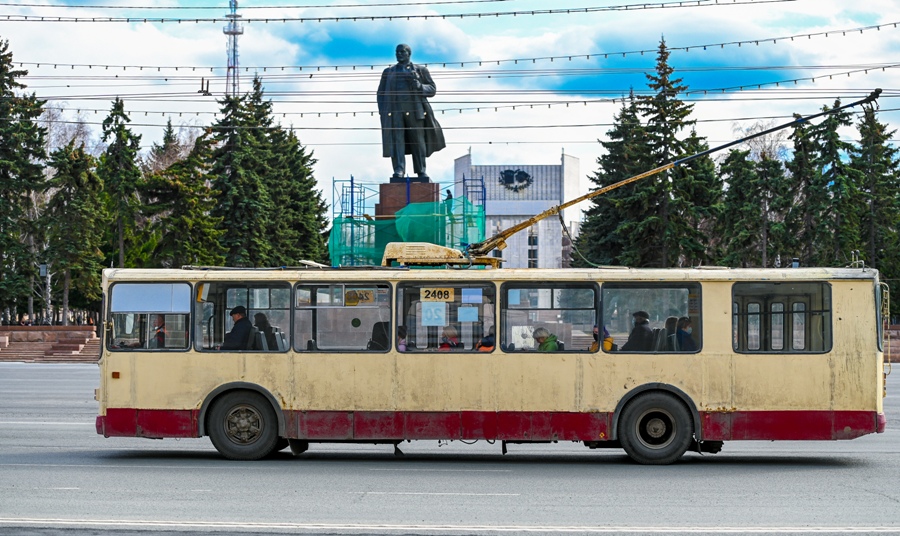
58, 477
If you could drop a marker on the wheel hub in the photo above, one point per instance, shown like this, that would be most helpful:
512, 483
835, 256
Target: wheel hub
243, 425
655, 428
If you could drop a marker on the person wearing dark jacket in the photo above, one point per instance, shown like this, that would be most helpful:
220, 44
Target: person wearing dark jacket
683, 335
641, 337
236, 339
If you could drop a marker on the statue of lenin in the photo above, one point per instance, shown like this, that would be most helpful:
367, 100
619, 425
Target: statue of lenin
408, 125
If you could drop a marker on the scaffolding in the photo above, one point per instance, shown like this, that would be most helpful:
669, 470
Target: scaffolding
359, 239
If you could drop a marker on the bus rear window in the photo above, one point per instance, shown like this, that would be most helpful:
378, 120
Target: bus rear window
781, 317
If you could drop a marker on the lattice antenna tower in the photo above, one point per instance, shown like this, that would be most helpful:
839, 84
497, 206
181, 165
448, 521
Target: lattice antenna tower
233, 30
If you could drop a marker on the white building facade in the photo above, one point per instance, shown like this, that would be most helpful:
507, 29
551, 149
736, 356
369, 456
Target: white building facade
514, 193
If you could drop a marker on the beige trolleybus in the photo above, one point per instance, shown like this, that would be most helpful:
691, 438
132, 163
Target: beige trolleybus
393, 354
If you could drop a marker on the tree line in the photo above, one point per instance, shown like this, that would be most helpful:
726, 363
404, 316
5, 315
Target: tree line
808, 195
240, 193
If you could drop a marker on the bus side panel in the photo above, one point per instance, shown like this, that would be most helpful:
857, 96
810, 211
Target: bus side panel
856, 362
469, 425
155, 424
788, 425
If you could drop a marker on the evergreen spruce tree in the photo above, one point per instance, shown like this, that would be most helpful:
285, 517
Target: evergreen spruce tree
300, 211
74, 219
696, 206
599, 240
179, 203
741, 220
652, 238
120, 173
21, 175
840, 229
243, 205
879, 163
773, 203
810, 199
165, 154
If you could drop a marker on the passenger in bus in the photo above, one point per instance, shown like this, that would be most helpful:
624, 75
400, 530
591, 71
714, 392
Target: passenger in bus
449, 339
683, 335
236, 339
486, 344
261, 321
641, 338
607, 340
545, 340
401, 338
158, 340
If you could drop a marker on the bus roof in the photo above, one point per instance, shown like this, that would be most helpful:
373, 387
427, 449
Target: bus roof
503, 274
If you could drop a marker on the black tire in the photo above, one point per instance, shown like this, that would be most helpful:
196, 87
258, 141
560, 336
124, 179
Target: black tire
242, 426
655, 429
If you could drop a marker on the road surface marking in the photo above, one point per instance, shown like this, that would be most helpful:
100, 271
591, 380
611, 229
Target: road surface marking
31, 423
388, 527
446, 470
434, 493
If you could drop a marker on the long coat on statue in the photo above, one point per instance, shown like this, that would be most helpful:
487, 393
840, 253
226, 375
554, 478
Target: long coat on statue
398, 76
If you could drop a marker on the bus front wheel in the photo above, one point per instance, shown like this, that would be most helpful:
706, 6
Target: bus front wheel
655, 429
242, 426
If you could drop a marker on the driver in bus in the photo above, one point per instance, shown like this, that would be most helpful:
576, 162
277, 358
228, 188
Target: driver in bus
236, 339
158, 340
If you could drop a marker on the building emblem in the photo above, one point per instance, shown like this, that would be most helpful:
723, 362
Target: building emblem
515, 180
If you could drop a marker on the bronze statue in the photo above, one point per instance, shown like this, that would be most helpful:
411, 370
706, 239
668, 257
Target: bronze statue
408, 125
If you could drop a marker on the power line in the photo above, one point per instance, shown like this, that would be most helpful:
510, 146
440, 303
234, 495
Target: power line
378, 128
558, 11
219, 8
482, 105
280, 76
478, 63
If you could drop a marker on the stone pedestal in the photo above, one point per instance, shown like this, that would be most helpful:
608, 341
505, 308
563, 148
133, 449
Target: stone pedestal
394, 196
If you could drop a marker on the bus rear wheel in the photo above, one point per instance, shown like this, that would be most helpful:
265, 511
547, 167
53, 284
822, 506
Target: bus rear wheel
242, 426
655, 429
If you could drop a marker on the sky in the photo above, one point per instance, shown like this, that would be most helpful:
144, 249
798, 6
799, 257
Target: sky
519, 82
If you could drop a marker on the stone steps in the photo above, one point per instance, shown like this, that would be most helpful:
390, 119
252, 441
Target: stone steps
52, 352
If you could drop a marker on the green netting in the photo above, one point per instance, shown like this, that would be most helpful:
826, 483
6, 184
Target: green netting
355, 241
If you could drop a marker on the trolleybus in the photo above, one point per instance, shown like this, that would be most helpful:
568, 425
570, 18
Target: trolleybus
395, 354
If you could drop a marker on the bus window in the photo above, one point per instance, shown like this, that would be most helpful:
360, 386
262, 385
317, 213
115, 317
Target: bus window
342, 317
446, 316
548, 315
267, 305
776, 328
653, 318
149, 316
781, 317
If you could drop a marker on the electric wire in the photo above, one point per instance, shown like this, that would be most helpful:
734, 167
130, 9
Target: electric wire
533, 12
480, 63
220, 8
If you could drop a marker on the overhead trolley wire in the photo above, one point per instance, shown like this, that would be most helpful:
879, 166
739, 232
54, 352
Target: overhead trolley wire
425, 16
479, 63
220, 8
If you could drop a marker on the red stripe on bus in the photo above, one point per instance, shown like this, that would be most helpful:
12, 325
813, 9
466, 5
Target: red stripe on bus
788, 425
522, 426
152, 423
508, 425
